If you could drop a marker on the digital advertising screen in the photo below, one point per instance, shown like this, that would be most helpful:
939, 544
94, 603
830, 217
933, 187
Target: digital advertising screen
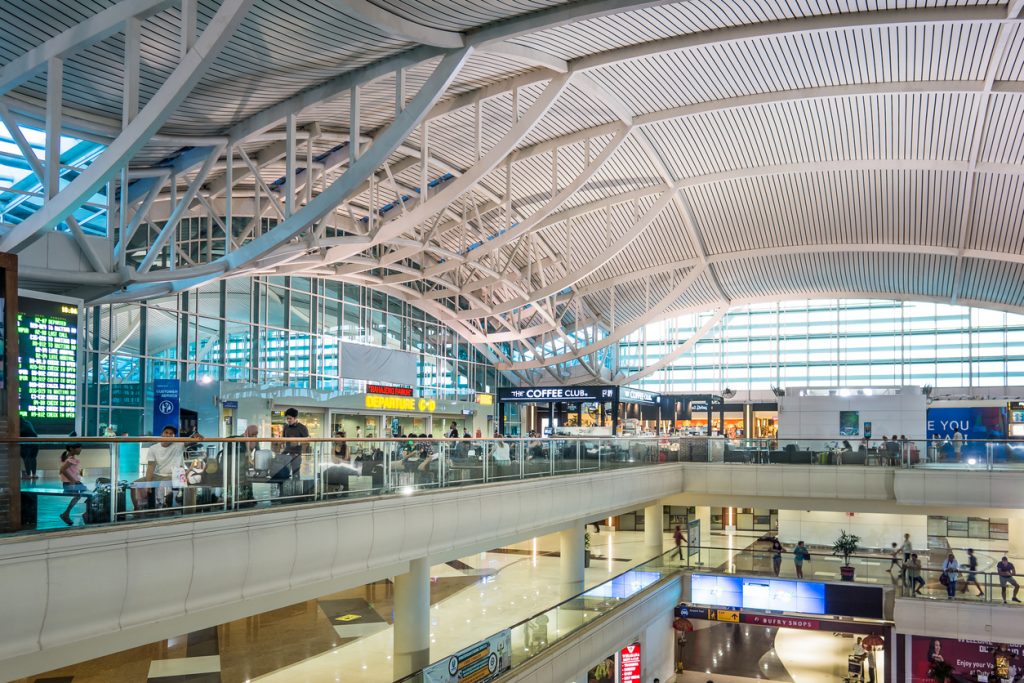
48, 364
718, 591
784, 596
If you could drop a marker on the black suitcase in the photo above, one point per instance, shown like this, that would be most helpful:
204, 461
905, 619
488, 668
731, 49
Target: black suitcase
97, 503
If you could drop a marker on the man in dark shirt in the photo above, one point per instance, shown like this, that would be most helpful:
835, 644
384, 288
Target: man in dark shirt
293, 429
1006, 573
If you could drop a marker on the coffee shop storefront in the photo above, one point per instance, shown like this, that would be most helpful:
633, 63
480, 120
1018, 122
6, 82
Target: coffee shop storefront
565, 411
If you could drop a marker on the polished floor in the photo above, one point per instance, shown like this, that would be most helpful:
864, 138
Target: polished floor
740, 653
348, 636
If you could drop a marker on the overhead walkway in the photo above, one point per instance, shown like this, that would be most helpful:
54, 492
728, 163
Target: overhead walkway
167, 575
223, 549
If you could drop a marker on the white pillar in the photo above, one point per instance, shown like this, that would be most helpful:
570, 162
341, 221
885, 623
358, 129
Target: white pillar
654, 530
572, 560
1015, 537
412, 619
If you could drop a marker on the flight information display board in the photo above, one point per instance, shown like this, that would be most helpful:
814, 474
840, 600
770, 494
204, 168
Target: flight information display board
48, 364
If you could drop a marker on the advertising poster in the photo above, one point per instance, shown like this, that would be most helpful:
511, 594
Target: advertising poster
693, 537
604, 672
977, 424
629, 664
849, 423
478, 663
166, 406
964, 656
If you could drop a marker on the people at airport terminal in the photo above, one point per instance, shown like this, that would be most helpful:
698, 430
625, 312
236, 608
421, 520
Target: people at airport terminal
71, 478
293, 429
29, 451
800, 555
777, 550
164, 461
913, 568
894, 557
972, 575
1007, 572
950, 574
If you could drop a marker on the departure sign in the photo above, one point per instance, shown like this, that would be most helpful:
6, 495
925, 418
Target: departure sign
48, 364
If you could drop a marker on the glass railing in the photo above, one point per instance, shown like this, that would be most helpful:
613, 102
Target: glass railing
111, 482
878, 569
935, 453
533, 636
71, 482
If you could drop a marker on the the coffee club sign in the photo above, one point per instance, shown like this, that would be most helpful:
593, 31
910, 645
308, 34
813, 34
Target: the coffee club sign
631, 395
574, 394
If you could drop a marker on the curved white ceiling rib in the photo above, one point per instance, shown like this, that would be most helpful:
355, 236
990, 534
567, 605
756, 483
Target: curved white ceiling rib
532, 172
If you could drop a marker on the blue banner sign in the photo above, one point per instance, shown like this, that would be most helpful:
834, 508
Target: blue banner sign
166, 404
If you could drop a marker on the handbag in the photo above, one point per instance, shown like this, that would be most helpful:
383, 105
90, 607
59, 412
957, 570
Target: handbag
944, 579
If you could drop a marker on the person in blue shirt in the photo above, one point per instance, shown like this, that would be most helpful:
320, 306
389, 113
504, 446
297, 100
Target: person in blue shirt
800, 554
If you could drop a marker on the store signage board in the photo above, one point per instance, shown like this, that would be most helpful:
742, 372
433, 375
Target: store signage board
385, 390
630, 395
485, 399
772, 620
544, 394
48, 364
478, 663
230, 404
629, 664
408, 405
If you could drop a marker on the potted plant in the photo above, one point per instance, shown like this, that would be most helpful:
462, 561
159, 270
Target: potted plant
586, 549
845, 545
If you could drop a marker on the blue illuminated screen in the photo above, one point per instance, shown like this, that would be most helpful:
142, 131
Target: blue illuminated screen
719, 591
777, 595
624, 586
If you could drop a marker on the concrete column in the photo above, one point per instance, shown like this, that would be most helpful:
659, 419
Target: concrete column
412, 619
572, 560
1015, 537
654, 530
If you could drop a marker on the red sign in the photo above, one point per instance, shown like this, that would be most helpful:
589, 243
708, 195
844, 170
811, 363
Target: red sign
629, 664
388, 391
781, 622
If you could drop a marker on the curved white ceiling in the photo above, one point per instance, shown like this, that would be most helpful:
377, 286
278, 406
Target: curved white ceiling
600, 164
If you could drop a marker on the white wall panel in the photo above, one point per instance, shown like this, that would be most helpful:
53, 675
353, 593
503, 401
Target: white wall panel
958, 619
875, 530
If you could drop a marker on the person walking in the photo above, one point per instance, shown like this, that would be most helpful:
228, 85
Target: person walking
913, 568
1006, 572
800, 555
894, 558
958, 443
677, 536
972, 567
950, 573
777, 550
71, 478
